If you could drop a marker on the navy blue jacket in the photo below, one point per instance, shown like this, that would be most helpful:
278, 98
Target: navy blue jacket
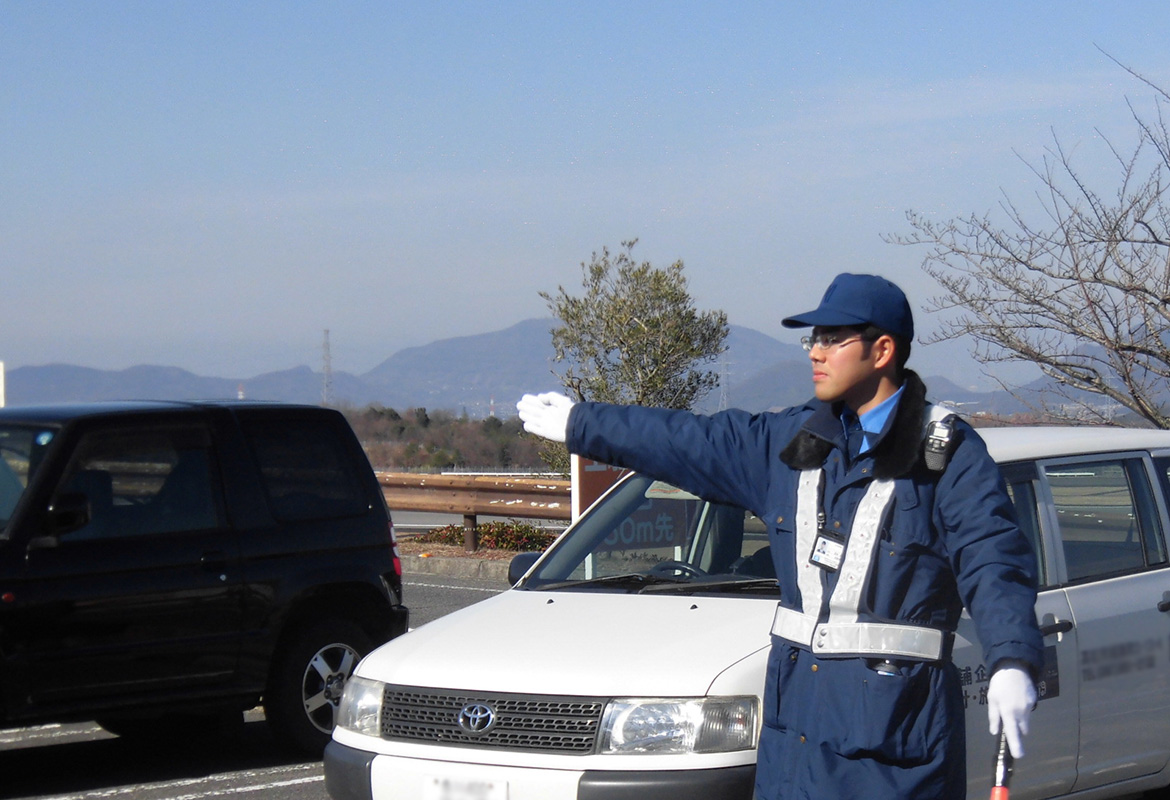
833, 727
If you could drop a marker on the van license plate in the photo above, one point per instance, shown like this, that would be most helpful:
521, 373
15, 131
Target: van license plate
448, 789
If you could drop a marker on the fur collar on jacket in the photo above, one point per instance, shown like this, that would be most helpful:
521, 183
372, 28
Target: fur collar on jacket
894, 455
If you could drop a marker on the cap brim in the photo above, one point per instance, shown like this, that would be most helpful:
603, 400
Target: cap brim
825, 318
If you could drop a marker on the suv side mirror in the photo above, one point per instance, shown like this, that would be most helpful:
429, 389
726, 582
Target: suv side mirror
519, 565
68, 512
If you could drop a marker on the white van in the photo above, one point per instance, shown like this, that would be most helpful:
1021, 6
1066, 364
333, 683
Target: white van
628, 661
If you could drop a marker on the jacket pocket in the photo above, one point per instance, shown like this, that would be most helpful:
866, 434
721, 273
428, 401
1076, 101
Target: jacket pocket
884, 717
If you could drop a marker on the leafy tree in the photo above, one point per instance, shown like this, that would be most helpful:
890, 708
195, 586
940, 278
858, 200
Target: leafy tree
1084, 293
634, 335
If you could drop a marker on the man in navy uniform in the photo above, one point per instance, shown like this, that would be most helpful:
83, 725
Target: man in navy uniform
887, 516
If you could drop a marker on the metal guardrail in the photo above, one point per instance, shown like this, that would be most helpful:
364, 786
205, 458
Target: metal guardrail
474, 495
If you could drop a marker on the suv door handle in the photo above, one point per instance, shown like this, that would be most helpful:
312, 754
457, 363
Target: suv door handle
214, 561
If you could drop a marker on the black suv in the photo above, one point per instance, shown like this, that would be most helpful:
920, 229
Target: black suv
163, 565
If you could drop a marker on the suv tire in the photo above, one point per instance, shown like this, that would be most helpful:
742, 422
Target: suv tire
308, 676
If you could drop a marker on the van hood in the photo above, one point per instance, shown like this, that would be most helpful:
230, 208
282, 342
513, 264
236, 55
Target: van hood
579, 643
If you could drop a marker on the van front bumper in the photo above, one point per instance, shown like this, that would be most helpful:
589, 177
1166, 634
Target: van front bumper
350, 774
733, 783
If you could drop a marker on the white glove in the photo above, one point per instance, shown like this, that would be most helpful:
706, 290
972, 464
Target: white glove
546, 414
1011, 696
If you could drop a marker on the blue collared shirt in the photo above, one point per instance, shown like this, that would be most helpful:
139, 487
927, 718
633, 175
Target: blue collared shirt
874, 420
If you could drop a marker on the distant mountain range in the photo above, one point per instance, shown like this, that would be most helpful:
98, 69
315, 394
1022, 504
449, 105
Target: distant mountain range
476, 375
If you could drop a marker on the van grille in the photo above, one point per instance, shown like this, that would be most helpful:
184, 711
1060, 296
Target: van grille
517, 721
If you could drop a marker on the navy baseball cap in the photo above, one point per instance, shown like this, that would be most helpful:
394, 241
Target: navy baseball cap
857, 300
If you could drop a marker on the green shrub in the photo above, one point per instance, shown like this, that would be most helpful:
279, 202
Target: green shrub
510, 535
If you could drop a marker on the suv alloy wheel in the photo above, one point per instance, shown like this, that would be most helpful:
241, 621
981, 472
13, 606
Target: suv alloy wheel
307, 680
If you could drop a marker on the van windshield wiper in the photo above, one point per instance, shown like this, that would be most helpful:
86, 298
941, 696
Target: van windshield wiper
723, 587
637, 581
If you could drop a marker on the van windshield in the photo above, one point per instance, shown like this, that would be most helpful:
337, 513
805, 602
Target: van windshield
21, 452
647, 536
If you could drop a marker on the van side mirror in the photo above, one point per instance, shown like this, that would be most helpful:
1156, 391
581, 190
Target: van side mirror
519, 565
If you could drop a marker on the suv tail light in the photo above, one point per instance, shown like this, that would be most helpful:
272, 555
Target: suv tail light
394, 549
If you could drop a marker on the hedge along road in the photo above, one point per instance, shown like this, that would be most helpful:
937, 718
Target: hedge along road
409, 523
83, 762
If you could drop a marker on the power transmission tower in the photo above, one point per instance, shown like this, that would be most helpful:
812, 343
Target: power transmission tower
326, 372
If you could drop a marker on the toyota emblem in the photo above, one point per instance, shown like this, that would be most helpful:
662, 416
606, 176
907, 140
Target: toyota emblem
477, 718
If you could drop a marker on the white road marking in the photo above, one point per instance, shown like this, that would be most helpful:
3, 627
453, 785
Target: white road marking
448, 586
43, 733
141, 789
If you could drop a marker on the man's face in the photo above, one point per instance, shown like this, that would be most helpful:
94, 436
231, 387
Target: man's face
843, 367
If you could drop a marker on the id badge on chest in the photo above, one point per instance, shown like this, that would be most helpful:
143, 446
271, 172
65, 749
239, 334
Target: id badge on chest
828, 550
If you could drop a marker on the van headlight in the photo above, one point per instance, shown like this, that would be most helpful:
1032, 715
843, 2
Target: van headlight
682, 725
361, 706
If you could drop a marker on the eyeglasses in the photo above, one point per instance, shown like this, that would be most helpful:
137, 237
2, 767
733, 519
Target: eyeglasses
829, 341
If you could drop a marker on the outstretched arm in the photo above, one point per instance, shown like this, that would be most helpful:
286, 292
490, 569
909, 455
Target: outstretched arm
724, 457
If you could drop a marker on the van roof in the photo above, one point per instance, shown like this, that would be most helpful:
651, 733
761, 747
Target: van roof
1017, 443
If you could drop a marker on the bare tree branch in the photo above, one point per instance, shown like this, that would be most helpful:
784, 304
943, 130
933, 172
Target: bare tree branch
1085, 295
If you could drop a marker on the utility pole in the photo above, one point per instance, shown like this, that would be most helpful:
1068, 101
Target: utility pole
326, 372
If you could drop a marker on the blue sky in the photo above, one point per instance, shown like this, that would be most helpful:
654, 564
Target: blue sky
210, 185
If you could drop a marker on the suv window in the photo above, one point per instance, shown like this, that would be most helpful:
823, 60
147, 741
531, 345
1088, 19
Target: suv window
142, 482
307, 471
21, 450
1107, 517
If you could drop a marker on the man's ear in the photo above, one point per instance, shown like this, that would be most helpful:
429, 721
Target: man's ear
883, 351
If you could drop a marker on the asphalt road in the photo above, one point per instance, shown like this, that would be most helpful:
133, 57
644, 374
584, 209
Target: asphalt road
83, 762
432, 596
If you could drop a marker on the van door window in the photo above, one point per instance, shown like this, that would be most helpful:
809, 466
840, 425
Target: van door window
1162, 471
1108, 519
1021, 486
